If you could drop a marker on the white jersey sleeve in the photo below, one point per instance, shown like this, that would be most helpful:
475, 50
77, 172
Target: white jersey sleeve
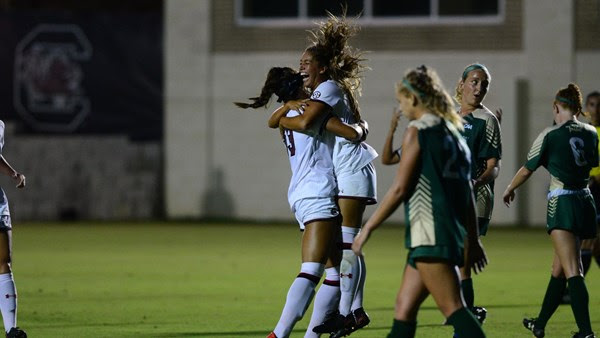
1, 136
329, 93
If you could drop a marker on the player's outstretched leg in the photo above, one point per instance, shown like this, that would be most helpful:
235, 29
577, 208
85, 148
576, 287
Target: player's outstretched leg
298, 298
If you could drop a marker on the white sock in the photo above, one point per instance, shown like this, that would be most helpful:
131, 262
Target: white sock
350, 272
358, 296
326, 300
298, 297
8, 301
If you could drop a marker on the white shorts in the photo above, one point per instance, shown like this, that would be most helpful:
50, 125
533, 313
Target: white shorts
361, 184
309, 210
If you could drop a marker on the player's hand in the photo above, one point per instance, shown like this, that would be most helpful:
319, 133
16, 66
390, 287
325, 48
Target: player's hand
296, 104
508, 196
475, 257
359, 241
20, 179
396, 115
365, 129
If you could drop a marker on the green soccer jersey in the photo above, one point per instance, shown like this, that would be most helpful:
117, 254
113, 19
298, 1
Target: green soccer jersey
482, 133
568, 150
435, 210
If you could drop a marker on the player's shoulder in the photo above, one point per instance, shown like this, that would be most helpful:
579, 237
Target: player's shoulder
588, 127
328, 87
428, 120
485, 114
551, 130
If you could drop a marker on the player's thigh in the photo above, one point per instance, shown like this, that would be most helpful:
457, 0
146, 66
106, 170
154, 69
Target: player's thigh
567, 248
411, 295
318, 240
5, 250
442, 282
352, 210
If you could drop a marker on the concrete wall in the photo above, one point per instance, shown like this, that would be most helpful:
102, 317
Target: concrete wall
224, 161
77, 177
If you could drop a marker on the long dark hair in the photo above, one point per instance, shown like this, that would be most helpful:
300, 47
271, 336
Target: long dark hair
284, 82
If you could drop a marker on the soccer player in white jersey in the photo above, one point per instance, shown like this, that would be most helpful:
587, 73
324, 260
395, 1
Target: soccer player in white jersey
332, 71
8, 301
311, 192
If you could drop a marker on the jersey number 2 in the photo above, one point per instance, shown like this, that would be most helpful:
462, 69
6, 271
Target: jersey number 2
455, 168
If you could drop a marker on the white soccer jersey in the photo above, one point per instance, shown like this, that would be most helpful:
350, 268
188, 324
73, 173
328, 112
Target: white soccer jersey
310, 156
348, 157
4, 210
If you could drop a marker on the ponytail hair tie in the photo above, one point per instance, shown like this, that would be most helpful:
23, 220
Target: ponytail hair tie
564, 100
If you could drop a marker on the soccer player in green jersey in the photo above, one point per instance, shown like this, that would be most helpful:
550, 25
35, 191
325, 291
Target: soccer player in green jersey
568, 150
591, 247
433, 180
482, 133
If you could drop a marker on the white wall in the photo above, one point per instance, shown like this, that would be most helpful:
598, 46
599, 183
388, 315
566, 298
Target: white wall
188, 94
252, 158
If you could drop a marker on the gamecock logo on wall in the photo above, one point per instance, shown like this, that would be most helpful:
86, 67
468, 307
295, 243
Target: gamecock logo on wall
48, 90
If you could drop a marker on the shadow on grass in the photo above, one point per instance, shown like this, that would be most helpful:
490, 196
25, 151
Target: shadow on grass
263, 333
429, 307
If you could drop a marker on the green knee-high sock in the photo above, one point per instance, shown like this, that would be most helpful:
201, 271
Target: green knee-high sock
402, 329
466, 286
554, 291
465, 324
580, 304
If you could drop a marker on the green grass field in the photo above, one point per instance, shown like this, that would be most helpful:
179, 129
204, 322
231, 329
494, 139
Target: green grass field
220, 280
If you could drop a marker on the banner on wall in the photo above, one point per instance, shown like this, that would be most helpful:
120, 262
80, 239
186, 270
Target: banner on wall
83, 73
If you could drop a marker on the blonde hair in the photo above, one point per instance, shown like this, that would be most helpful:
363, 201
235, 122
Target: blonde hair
344, 64
427, 87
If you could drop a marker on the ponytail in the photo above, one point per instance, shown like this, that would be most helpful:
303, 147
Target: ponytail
427, 87
570, 98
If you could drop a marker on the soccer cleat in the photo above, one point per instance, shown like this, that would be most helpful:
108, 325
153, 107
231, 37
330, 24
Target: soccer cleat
272, 335
581, 335
348, 325
331, 324
480, 313
361, 318
15, 332
529, 324
354, 321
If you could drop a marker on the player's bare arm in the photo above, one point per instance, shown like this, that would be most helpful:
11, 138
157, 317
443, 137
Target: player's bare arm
313, 111
7, 170
283, 110
388, 155
520, 177
491, 172
475, 257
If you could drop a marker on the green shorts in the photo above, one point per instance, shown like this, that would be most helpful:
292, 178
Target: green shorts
575, 213
441, 252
